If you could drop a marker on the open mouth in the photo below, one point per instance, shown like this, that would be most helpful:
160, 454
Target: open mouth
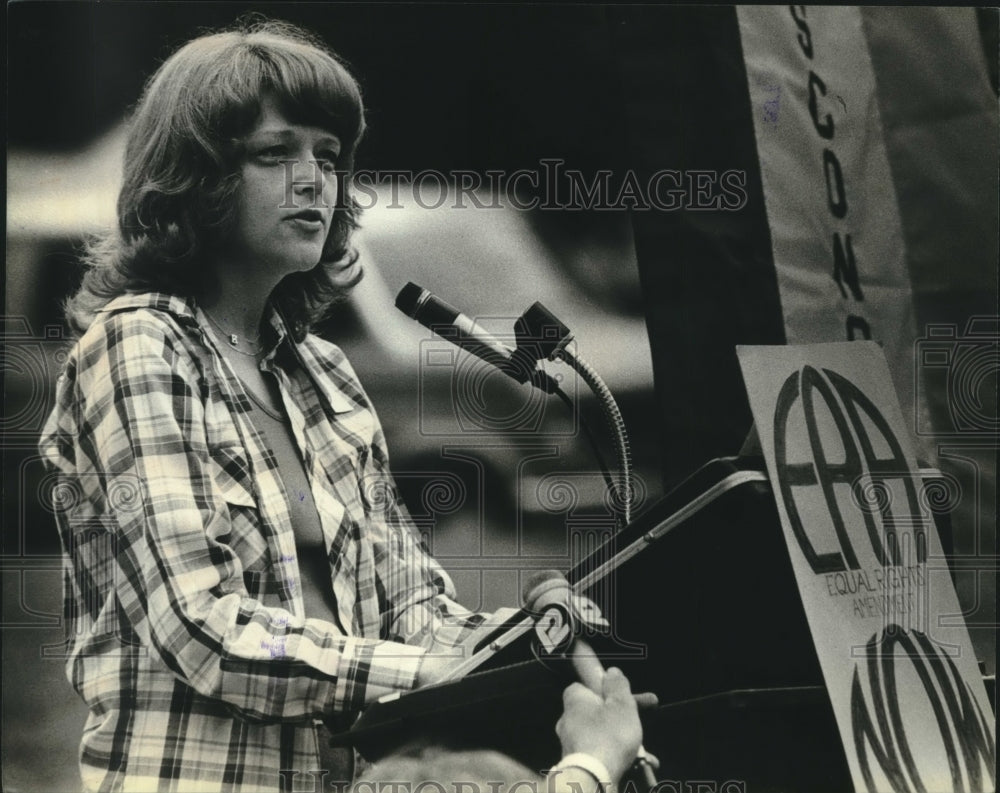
308, 217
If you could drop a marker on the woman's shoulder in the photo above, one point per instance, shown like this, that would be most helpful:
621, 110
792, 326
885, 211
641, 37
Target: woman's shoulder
158, 310
126, 351
148, 321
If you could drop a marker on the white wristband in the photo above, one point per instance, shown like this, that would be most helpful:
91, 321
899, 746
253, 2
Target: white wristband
588, 763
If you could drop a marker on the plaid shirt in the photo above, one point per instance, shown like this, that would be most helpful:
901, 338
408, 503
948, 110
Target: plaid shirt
188, 640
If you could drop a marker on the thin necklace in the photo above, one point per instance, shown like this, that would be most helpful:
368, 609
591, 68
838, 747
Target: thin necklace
270, 411
232, 338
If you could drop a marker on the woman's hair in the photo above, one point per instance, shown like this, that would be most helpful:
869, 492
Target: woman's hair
182, 163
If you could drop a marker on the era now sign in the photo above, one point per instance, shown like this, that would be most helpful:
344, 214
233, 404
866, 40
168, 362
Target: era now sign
904, 683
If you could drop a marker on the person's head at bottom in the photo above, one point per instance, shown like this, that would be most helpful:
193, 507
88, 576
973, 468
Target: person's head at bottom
599, 735
436, 769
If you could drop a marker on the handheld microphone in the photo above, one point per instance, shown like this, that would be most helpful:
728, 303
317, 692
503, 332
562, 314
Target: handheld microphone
548, 588
542, 584
548, 598
448, 322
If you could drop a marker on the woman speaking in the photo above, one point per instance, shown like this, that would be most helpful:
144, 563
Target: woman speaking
239, 569
238, 562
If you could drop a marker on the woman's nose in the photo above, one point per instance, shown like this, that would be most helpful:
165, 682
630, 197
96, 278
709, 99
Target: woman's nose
308, 177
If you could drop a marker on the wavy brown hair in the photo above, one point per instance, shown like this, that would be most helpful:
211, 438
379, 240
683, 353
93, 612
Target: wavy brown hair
181, 171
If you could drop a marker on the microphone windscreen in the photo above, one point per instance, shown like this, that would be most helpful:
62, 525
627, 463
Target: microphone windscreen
408, 298
427, 309
539, 583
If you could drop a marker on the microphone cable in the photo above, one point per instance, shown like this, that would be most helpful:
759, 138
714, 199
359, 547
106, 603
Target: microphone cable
591, 440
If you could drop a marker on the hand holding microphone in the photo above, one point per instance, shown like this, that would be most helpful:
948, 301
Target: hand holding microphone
622, 730
600, 717
600, 714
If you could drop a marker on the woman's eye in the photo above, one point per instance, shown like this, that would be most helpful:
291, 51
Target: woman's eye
271, 153
327, 160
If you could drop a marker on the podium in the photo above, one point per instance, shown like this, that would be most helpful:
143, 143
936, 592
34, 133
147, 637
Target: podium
706, 614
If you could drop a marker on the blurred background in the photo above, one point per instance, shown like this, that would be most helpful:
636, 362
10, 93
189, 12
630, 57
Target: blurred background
656, 301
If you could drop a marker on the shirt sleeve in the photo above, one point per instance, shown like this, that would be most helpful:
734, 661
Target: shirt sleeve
141, 418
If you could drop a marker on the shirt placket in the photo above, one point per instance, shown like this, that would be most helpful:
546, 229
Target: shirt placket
339, 541
268, 489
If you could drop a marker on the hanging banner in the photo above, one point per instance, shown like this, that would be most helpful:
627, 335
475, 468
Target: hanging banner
906, 690
835, 226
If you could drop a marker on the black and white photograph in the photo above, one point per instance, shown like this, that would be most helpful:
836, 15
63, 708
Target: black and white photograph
500, 398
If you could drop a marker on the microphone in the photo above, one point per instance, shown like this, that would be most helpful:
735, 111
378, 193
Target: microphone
448, 322
560, 613
547, 597
544, 582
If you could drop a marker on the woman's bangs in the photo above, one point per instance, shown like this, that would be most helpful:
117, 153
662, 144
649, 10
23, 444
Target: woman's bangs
316, 92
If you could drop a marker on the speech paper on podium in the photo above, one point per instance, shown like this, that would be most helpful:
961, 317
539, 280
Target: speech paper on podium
858, 520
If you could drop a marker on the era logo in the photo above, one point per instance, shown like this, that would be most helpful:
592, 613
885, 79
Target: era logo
862, 447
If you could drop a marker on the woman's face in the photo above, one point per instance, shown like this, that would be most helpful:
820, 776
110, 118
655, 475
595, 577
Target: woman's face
286, 196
